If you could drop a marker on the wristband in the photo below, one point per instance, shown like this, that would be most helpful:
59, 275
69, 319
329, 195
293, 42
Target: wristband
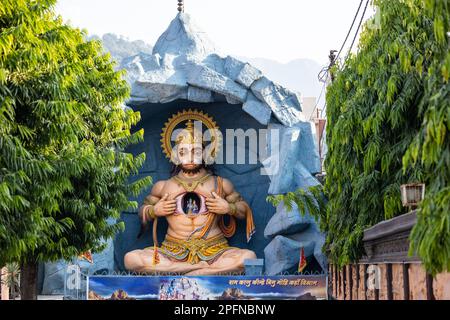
150, 212
233, 209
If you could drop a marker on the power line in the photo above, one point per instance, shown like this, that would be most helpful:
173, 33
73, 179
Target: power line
351, 27
323, 110
324, 70
323, 74
320, 96
357, 30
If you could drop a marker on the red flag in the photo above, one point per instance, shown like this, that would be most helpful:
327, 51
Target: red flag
302, 263
86, 256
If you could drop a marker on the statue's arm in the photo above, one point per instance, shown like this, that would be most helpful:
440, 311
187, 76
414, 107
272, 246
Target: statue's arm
150, 200
233, 197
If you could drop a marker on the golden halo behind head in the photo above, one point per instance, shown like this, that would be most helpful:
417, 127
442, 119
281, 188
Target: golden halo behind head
189, 134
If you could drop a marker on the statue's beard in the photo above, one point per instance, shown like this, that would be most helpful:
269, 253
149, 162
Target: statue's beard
193, 170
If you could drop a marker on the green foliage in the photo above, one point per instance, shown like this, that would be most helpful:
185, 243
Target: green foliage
310, 201
430, 148
388, 123
63, 172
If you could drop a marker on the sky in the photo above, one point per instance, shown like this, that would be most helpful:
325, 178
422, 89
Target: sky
282, 30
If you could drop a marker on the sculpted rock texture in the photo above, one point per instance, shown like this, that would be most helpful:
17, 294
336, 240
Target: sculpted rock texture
290, 231
293, 157
287, 222
282, 254
184, 58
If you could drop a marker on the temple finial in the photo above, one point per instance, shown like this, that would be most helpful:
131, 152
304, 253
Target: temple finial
180, 6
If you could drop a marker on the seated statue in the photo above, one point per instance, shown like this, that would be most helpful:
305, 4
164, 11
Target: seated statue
195, 203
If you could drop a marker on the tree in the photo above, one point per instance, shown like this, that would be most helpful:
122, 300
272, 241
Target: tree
388, 123
388, 116
64, 174
430, 148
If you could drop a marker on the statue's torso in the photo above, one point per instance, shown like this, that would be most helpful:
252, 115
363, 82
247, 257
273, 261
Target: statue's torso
182, 225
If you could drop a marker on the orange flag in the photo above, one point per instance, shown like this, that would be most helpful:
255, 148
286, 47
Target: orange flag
302, 263
86, 256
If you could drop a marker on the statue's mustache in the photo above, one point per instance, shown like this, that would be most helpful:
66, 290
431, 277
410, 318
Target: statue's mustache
193, 170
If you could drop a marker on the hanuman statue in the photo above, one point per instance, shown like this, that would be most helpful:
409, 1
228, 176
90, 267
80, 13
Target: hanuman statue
195, 202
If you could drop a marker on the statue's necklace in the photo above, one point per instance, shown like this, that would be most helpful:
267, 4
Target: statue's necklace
190, 186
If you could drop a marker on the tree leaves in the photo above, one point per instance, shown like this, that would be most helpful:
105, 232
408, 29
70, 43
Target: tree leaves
63, 169
388, 120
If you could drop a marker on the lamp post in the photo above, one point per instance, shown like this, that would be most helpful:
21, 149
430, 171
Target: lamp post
412, 194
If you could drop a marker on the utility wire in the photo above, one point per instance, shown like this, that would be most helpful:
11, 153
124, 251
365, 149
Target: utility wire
351, 27
323, 110
320, 96
324, 72
357, 31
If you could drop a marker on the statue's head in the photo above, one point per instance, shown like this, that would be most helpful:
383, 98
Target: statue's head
185, 146
188, 150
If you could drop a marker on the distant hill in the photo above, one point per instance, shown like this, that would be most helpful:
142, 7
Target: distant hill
298, 75
120, 47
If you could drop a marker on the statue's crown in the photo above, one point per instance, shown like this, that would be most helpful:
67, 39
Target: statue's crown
189, 135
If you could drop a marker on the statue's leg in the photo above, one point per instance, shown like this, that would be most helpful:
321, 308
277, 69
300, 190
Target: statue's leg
142, 261
231, 261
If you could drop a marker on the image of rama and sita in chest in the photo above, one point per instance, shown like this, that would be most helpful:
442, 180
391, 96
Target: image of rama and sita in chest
200, 207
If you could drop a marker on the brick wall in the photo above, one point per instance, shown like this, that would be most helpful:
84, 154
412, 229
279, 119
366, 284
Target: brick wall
387, 281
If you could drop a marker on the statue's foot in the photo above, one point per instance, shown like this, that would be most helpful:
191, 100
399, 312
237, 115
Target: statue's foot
141, 261
230, 262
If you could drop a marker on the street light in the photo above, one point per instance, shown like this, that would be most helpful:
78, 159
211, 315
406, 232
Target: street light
412, 194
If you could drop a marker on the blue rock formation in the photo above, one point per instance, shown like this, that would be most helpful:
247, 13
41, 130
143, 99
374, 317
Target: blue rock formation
204, 77
185, 57
297, 231
282, 254
257, 109
312, 233
294, 157
287, 222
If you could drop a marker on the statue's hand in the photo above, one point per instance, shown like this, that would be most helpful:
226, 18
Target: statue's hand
165, 207
217, 204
